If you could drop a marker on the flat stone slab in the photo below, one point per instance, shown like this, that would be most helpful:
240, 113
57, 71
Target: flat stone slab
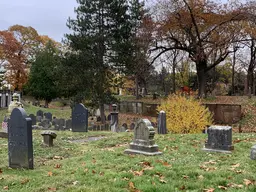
216, 150
88, 139
131, 151
51, 133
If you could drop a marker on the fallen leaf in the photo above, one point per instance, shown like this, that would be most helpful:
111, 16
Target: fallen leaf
185, 176
1, 171
86, 170
6, 188
125, 179
52, 188
93, 171
209, 190
93, 160
57, 166
200, 177
239, 171
75, 182
1, 178
49, 174
182, 187
138, 173
24, 181
83, 164
101, 174
131, 185
234, 185
248, 182
58, 157
162, 181
235, 165
153, 183
166, 164
222, 187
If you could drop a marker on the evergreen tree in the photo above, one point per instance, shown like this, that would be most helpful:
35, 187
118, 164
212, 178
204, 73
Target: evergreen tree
98, 40
43, 73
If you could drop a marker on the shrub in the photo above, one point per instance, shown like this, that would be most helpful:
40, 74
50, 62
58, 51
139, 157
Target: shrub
185, 115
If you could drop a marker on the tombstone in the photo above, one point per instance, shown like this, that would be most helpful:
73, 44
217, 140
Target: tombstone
20, 146
132, 126
125, 126
61, 124
48, 137
98, 119
39, 118
68, 124
48, 116
219, 139
253, 153
114, 119
79, 118
40, 113
5, 124
45, 123
161, 128
33, 118
122, 129
143, 142
54, 121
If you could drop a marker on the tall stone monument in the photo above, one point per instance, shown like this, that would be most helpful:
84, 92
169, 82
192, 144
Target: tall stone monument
20, 146
161, 125
114, 119
143, 142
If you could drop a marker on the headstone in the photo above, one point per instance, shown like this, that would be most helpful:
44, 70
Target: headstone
20, 146
253, 153
161, 128
132, 126
125, 126
48, 137
61, 124
33, 118
45, 123
114, 121
98, 119
79, 118
122, 129
68, 124
219, 139
40, 113
54, 121
143, 142
48, 116
39, 118
5, 124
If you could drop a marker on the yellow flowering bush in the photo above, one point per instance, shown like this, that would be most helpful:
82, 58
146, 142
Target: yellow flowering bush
185, 115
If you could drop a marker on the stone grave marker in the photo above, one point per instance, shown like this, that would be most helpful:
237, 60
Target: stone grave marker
45, 123
219, 139
40, 113
143, 142
61, 124
132, 126
33, 118
79, 118
48, 137
20, 146
125, 126
114, 119
48, 116
161, 128
253, 153
68, 124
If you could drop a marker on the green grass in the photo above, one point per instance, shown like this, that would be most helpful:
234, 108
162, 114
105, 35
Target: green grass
102, 165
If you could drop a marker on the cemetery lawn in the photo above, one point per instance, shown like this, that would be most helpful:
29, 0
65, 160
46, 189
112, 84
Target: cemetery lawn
102, 166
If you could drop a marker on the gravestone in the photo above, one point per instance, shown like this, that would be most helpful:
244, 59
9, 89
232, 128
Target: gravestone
114, 119
79, 118
61, 124
48, 116
253, 153
40, 113
5, 124
48, 137
68, 124
98, 119
45, 123
39, 118
54, 121
161, 128
33, 118
132, 126
20, 146
143, 142
219, 139
125, 126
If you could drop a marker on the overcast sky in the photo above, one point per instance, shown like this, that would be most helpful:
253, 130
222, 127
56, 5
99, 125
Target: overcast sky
48, 17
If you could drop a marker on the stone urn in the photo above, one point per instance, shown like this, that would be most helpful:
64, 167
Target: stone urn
14, 104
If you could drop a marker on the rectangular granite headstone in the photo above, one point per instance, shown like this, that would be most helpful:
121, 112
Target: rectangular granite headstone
20, 146
79, 118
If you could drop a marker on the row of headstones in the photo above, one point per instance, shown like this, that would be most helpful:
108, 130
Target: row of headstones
20, 146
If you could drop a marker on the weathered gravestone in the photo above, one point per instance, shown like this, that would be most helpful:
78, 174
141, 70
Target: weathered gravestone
79, 118
48, 116
33, 118
143, 142
132, 125
253, 153
40, 113
61, 124
48, 137
20, 146
68, 124
45, 124
114, 119
161, 128
219, 139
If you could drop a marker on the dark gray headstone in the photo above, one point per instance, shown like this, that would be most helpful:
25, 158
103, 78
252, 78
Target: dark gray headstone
45, 123
143, 142
161, 128
253, 153
219, 139
125, 126
132, 126
68, 124
114, 122
33, 118
79, 118
48, 116
61, 124
20, 146
40, 113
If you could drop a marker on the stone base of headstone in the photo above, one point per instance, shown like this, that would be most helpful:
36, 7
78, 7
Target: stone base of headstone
253, 153
215, 150
143, 150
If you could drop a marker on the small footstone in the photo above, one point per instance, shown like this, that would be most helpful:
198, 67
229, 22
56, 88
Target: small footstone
143, 142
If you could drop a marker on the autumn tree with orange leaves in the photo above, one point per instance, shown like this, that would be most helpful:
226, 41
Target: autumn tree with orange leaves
203, 29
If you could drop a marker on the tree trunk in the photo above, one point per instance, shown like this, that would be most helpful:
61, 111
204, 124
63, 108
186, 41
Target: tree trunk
136, 87
173, 78
102, 114
250, 79
201, 77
